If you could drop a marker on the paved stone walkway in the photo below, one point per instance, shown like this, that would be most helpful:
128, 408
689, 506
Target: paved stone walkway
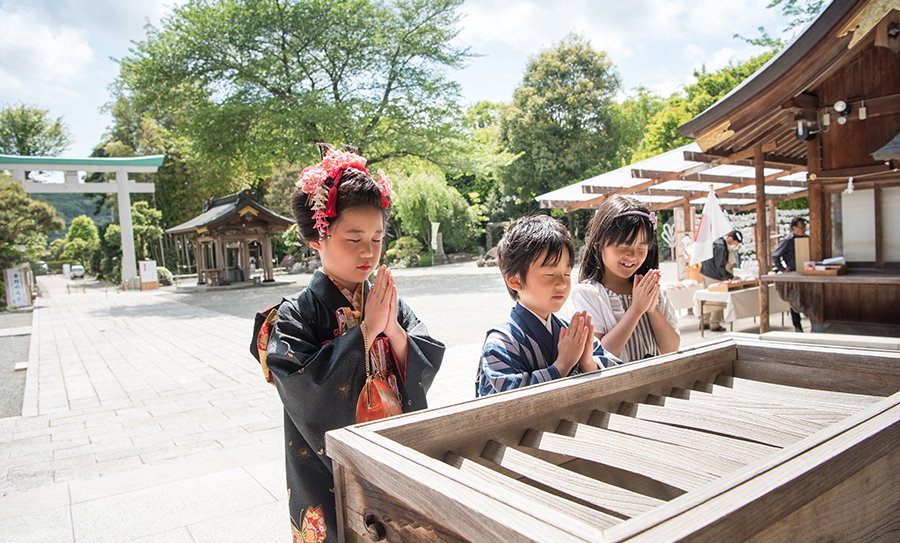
144, 420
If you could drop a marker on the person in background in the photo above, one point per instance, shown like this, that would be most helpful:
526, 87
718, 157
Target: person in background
717, 269
784, 259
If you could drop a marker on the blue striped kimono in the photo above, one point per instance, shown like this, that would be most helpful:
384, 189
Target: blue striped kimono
521, 351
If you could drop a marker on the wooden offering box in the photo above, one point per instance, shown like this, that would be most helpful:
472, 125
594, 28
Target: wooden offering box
737, 440
737, 285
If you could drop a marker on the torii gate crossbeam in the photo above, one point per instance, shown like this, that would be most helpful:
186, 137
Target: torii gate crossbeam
122, 186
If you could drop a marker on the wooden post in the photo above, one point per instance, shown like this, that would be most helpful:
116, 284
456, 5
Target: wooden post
818, 230
879, 229
773, 216
762, 237
269, 272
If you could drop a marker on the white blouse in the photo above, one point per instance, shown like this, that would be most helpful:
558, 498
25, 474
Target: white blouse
607, 308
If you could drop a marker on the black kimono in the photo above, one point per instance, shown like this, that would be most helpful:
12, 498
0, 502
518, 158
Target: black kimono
319, 374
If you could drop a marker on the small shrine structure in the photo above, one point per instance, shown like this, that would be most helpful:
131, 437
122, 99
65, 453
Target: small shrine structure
232, 237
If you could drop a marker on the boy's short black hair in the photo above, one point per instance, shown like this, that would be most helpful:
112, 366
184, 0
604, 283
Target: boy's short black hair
526, 240
797, 220
736, 236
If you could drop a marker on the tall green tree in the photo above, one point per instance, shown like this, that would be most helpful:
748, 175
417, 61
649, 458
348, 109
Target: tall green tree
661, 134
424, 197
27, 131
81, 240
145, 222
475, 170
629, 124
560, 119
24, 224
253, 83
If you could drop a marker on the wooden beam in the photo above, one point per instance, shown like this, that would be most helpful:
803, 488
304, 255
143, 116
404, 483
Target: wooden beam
776, 199
673, 175
771, 180
802, 101
762, 237
772, 161
816, 217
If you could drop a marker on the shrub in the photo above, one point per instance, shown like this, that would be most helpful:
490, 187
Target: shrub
406, 247
164, 276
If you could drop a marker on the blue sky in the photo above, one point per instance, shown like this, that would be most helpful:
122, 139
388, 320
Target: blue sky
56, 54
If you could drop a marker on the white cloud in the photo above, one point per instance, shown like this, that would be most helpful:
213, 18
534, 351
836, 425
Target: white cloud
30, 51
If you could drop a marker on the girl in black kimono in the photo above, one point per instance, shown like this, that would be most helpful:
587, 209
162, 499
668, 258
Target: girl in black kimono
313, 345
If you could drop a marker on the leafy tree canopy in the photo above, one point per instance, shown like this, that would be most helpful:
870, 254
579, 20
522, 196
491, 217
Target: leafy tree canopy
661, 134
145, 222
423, 197
27, 131
82, 227
254, 83
560, 119
24, 224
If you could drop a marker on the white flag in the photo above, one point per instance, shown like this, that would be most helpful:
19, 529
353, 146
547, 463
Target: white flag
713, 225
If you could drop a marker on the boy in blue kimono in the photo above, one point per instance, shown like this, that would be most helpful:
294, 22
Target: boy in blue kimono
534, 346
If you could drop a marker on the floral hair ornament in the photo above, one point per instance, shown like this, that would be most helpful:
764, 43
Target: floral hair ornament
323, 201
649, 216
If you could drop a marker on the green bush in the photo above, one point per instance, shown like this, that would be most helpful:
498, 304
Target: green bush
407, 247
425, 261
164, 276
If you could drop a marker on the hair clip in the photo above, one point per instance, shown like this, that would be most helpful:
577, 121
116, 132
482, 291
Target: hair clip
649, 216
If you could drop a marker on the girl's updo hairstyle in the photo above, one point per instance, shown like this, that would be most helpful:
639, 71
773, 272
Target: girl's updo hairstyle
355, 189
609, 227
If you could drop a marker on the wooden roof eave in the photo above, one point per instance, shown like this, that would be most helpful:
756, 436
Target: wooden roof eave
786, 75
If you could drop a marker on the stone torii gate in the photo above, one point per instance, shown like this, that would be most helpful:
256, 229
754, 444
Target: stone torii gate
122, 186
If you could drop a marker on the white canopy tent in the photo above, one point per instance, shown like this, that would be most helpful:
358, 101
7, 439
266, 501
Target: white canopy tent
680, 179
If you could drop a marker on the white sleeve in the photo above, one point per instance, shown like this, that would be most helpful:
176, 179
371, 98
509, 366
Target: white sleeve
588, 297
668, 309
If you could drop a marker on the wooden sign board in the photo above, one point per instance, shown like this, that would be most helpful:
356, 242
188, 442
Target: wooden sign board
801, 251
736, 440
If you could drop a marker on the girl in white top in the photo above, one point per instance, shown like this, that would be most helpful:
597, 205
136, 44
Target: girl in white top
619, 283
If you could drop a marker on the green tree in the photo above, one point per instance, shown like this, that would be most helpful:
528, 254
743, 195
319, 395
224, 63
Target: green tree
145, 222
681, 107
629, 124
27, 131
474, 172
560, 119
424, 197
81, 240
251, 83
24, 224
82, 227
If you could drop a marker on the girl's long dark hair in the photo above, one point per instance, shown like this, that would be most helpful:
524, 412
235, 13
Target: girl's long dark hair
607, 228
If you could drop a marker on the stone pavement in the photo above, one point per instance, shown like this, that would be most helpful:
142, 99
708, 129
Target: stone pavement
147, 420
144, 420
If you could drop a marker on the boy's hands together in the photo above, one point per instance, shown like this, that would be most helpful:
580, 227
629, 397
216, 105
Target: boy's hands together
574, 342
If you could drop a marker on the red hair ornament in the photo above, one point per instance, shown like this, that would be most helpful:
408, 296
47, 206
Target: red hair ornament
323, 201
